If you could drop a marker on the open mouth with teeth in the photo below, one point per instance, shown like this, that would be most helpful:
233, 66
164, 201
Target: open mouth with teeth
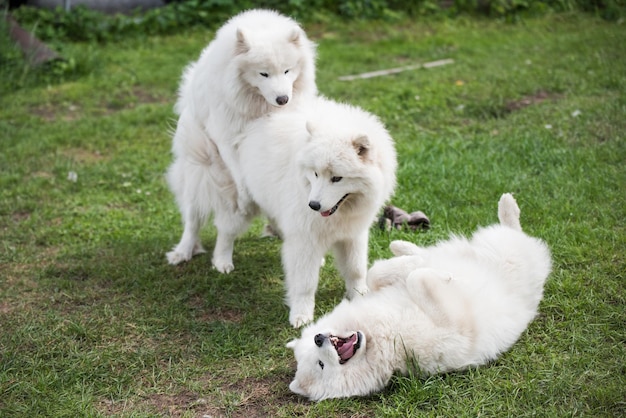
334, 208
346, 347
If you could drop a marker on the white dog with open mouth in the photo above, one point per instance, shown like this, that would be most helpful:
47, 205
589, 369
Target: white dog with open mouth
451, 306
320, 173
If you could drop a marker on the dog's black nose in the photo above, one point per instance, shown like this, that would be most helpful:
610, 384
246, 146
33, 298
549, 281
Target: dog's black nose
315, 205
282, 100
319, 340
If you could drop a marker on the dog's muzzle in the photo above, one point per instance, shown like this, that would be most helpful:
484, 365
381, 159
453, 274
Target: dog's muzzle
316, 206
346, 347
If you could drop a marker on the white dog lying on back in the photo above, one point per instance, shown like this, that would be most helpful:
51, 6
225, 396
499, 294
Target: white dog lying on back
457, 304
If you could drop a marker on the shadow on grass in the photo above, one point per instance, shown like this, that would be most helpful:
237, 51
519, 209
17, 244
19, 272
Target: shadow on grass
139, 270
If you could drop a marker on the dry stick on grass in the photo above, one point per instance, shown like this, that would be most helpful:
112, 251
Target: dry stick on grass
389, 71
35, 51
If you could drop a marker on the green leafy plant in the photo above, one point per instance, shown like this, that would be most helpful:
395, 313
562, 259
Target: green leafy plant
85, 25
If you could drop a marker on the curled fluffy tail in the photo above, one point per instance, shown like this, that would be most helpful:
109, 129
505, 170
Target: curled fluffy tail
508, 212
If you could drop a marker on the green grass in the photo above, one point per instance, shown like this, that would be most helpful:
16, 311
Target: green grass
93, 322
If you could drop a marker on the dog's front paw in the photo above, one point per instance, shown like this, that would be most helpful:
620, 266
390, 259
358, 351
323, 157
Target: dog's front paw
223, 266
301, 308
301, 313
299, 320
174, 257
184, 253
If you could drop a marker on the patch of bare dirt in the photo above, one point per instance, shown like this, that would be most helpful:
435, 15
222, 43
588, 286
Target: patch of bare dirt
23, 289
214, 313
176, 405
81, 155
253, 397
243, 397
5, 307
533, 99
50, 112
20, 216
145, 96
160, 404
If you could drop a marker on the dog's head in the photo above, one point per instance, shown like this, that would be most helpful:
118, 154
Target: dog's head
348, 162
336, 171
332, 364
273, 63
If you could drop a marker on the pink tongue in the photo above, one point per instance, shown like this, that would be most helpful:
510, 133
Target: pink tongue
346, 351
325, 213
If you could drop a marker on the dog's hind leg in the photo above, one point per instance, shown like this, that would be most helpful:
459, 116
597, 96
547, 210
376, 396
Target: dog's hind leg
189, 244
230, 224
351, 261
387, 272
189, 184
191, 180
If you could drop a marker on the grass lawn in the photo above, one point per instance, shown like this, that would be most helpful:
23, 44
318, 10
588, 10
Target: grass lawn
93, 322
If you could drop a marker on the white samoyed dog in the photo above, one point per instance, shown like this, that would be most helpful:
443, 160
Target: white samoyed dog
457, 304
320, 173
259, 62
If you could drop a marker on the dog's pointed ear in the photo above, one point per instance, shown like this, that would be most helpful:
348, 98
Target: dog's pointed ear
292, 344
242, 44
295, 387
362, 146
294, 36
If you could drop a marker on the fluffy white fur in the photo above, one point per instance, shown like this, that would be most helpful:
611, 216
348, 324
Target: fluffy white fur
320, 173
258, 63
457, 304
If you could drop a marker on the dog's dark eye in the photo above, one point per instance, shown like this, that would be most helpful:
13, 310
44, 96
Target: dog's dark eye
321, 364
264, 75
335, 179
315, 174
286, 71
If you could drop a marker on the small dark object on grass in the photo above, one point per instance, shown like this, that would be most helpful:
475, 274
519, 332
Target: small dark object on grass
398, 218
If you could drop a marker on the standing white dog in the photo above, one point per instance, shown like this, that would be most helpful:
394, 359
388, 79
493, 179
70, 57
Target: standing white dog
458, 304
320, 173
259, 62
